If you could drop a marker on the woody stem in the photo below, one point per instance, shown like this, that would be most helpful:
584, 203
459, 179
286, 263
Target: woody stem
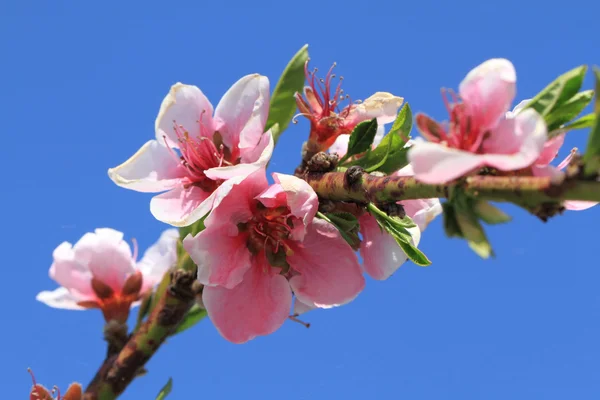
357, 186
118, 370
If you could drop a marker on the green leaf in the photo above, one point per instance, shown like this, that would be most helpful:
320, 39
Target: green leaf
559, 91
490, 214
397, 228
361, 138
591, 158
450, 224
164, 392
474, 233
346, 224
192, 229
388, 157
144, 310
470, 227
569, 110
587, 121
403, 124
283, 103
345, 221
547, 98
194, 315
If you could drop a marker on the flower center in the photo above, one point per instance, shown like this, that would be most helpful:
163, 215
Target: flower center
464, 131
269, 231
197, 154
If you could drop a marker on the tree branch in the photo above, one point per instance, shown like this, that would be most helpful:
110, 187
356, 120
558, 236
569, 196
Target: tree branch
118, 370
357, 186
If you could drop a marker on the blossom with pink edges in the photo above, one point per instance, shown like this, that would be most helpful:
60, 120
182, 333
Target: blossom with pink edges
195, 151
261, 244
100, 271
480, 132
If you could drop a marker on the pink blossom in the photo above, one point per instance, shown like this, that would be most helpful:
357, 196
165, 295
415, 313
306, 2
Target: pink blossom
100, 271
261, 243
327, 121
480, 132
195, 152
542, 167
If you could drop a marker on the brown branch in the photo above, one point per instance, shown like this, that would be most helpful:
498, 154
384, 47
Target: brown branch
118, 370
355, 185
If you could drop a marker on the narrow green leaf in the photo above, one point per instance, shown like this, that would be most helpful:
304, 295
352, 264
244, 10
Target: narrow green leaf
450, 224
559, 91
160, 290
361, 138
591, 158
344, 221
403, 124
283, 103
194, 315
388, 157
144, 310
490, 214
473, 231
345, 225
569, 110
547, 98
192, 229
382, 161
400, 234
587, 121
573, 81
164, 392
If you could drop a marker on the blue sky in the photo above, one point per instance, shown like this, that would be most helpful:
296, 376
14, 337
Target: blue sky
80, 87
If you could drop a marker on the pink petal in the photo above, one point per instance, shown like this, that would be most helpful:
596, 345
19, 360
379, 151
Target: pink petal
107, 256
234, 200
340, 146
575, 205
489, 89
435, 164
259, 305
550, 150
518, 108
547, 170
381, 254
187, 106
181, 207
70, 273
221, 255
252, 160
528, 132
301, 198
242, 113
313, 101
379, 134
381, 105
154, 168
302, 308
60, 298
422, 211
329, 271
261, 153
158, 259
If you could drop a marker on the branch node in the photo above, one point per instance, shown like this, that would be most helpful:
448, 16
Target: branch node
353, 177
322, 162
